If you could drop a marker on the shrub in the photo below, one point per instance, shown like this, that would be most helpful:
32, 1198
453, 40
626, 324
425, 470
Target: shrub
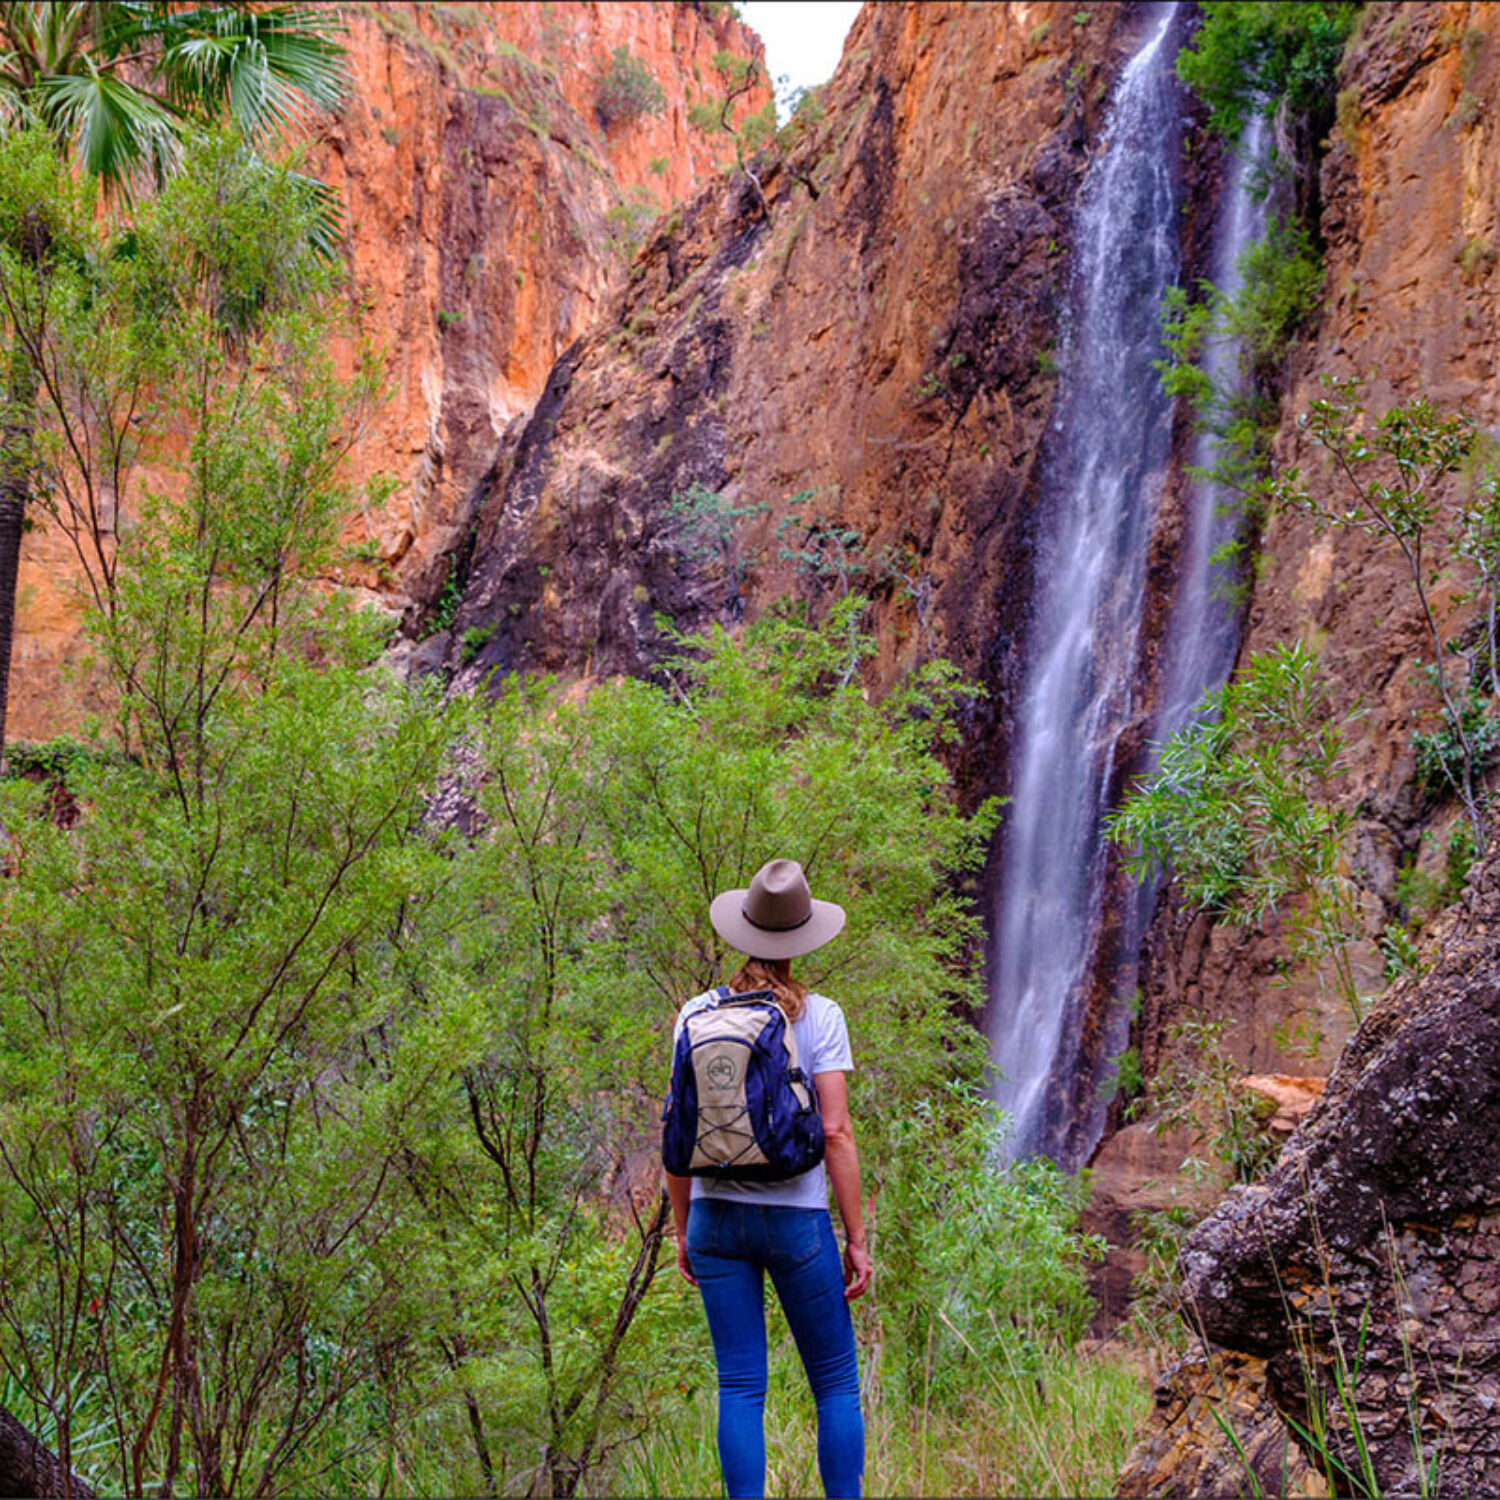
1258, 55
473, 641
983, 1262
627, 90
1241, 810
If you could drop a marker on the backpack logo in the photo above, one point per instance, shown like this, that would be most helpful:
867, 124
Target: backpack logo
722, 1073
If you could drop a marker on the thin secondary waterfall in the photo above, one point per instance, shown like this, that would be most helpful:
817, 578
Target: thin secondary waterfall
1205, 624
1105, 471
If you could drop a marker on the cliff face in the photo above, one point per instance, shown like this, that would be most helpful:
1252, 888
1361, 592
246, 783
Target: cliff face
1409, 215
836, 380
1385, 1201
490, 213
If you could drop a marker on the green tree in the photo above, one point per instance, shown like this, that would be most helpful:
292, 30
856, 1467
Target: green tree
627, 90
715, 115
117, 85
582, 920
192, 1149
1392, 479
1258, 56
1242, 811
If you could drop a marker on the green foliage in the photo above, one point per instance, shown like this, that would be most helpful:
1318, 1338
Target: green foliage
715, 115
202, 1204
629, 222
1280, 284
1066, 1430
1199, 1091
985, 1263
627, 90
709, 526
1399, 949
1441, 752
473, 641
580, 916
137, 327
1261, 55
1475, 259
63, 761
1422, 894
1241, 809
1156, 1303
1396, 475
318, 1120
445, 607
1127, 1081
120, 85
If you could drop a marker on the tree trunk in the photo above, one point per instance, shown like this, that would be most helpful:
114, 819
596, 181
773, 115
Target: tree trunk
17, 430
27, 1468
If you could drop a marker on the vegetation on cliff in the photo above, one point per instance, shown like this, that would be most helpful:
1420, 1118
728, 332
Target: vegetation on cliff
118, 85
1265, 56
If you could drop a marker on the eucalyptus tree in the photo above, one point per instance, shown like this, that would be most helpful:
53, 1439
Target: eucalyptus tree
117, 86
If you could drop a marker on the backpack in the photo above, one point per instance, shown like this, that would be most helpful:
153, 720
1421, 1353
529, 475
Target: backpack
740, 1108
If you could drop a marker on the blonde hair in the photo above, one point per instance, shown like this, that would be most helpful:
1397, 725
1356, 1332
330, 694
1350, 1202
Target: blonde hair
774, 974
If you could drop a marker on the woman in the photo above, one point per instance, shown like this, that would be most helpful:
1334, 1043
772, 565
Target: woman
729, 1233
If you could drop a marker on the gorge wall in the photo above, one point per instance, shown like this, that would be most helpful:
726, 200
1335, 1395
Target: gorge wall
1409, 218
490, 214
860, 369
1384, 1202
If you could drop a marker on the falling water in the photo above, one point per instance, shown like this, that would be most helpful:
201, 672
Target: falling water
1105, 471
1205, 628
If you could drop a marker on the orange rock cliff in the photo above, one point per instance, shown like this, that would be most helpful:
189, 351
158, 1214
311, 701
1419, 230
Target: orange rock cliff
490, 214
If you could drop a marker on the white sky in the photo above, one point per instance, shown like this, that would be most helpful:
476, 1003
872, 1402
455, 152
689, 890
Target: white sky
803, 38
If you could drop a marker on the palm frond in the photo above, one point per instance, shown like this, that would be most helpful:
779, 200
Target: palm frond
327, 225
119, 132
268, 68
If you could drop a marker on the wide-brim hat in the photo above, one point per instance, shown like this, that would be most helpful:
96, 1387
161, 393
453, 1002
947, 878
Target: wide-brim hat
775, 916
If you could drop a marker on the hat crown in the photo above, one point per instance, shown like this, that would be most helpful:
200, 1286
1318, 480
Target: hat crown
778, 899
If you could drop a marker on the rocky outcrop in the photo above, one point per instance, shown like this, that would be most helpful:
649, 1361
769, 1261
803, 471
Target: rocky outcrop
836, 378
1216, 1431
1365, 1269
490, 213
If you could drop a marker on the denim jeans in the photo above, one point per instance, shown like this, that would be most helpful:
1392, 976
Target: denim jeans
730, 1246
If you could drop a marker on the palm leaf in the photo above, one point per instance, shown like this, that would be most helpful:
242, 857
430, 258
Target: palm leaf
327, 226
268, 68
119, 132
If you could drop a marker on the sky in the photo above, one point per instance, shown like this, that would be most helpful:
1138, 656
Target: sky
803, 38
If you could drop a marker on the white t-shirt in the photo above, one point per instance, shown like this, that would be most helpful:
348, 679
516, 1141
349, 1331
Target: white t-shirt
822, 1047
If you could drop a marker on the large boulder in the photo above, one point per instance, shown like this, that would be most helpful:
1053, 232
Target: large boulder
1365, 1270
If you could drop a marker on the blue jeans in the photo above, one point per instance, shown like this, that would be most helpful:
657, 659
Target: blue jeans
730, 1246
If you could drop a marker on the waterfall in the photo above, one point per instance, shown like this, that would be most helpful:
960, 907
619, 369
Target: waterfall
1104, 472
1205, 629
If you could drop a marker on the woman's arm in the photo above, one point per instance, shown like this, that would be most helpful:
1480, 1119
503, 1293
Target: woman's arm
843, 1168
679, 1189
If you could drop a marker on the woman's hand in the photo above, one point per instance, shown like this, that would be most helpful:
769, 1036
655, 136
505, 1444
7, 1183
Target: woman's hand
857, 1270
679, 1190
683, 1263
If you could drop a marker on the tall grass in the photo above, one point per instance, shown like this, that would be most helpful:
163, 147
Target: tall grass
1062, 1426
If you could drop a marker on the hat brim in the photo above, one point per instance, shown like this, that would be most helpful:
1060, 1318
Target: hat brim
730, 922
